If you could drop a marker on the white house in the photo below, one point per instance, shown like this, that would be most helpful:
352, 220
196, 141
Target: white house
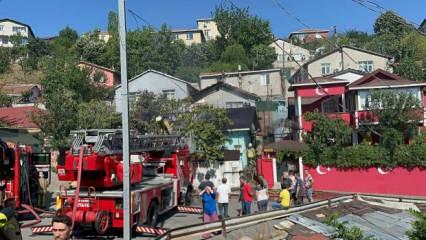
9, 27
156, 82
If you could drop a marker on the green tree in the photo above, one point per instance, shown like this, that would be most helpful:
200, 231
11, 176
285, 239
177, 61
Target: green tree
238, 26
5, 101
112, 23
37, 49
206, 125
410, 69
147, 49
395, 111
64, 45
354, 38
390, 23
65, 88
91, 48
388, 44
262, 56
4, 59
232, 57
419, 227
97, 114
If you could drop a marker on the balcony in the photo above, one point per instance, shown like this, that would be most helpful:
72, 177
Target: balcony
347, 118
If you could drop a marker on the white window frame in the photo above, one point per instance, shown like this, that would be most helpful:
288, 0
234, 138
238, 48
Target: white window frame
170, 93
325, 68
18, 29
366, 66
1, 28
265, 79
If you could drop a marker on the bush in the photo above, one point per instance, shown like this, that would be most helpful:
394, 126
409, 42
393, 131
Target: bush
419, 227
4, 59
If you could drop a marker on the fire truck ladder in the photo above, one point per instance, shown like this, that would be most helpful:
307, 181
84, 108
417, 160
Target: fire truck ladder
109, 141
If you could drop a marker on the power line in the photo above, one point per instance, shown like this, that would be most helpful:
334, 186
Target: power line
407, 22
135, 15
300, 65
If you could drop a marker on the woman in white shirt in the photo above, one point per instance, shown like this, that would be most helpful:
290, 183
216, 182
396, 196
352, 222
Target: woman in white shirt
262, 194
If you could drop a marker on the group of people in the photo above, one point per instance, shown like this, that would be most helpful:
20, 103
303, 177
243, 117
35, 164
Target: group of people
294, 190
215, 201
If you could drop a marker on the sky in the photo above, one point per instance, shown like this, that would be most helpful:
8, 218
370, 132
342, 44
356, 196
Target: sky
48, 17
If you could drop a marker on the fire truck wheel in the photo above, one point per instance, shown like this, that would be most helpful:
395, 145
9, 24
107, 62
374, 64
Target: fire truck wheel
102, 222
153, 214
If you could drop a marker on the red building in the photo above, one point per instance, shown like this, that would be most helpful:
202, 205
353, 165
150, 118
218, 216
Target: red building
348, 99
101, 75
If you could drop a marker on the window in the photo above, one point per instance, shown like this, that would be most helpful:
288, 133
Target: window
234, 104
4, 40
366, 66
207, 34
264, 79
170, 93
18, 29
189, 36
175, 36
280, 57
1, 27
331, 105
325, 68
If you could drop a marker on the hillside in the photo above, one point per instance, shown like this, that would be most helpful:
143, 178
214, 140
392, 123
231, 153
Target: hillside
16, 75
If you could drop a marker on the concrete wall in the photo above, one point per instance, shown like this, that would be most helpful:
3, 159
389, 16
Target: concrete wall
7, 31
156, 83
221, 97
211, 26
284, 57
196, 37
253, 83
351, 59
228, 169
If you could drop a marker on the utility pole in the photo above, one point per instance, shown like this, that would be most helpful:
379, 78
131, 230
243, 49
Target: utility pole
127, 234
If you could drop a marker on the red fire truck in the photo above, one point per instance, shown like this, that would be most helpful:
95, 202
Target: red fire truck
160, 172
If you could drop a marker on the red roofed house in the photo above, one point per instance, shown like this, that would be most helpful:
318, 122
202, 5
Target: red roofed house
348, 98
346, 95
20, 117
101, 75
309, 35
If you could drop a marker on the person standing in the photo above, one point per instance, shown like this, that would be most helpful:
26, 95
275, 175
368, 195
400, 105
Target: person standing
300, 190
247, 196
292, 187
206, 183
262, 194
203, 185
42, 190
209, 207
223, 192
309, 181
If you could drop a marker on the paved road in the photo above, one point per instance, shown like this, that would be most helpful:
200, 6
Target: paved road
171, 220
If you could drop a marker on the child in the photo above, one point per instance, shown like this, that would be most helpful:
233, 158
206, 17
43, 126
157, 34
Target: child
284, 202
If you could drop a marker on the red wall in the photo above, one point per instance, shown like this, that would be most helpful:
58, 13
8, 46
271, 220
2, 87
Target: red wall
314, 91
398, 181
265, 169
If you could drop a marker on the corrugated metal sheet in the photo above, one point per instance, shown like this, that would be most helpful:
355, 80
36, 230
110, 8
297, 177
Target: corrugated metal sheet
312, 224
381, 225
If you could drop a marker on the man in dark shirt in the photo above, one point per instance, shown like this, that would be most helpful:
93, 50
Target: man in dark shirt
206, 183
